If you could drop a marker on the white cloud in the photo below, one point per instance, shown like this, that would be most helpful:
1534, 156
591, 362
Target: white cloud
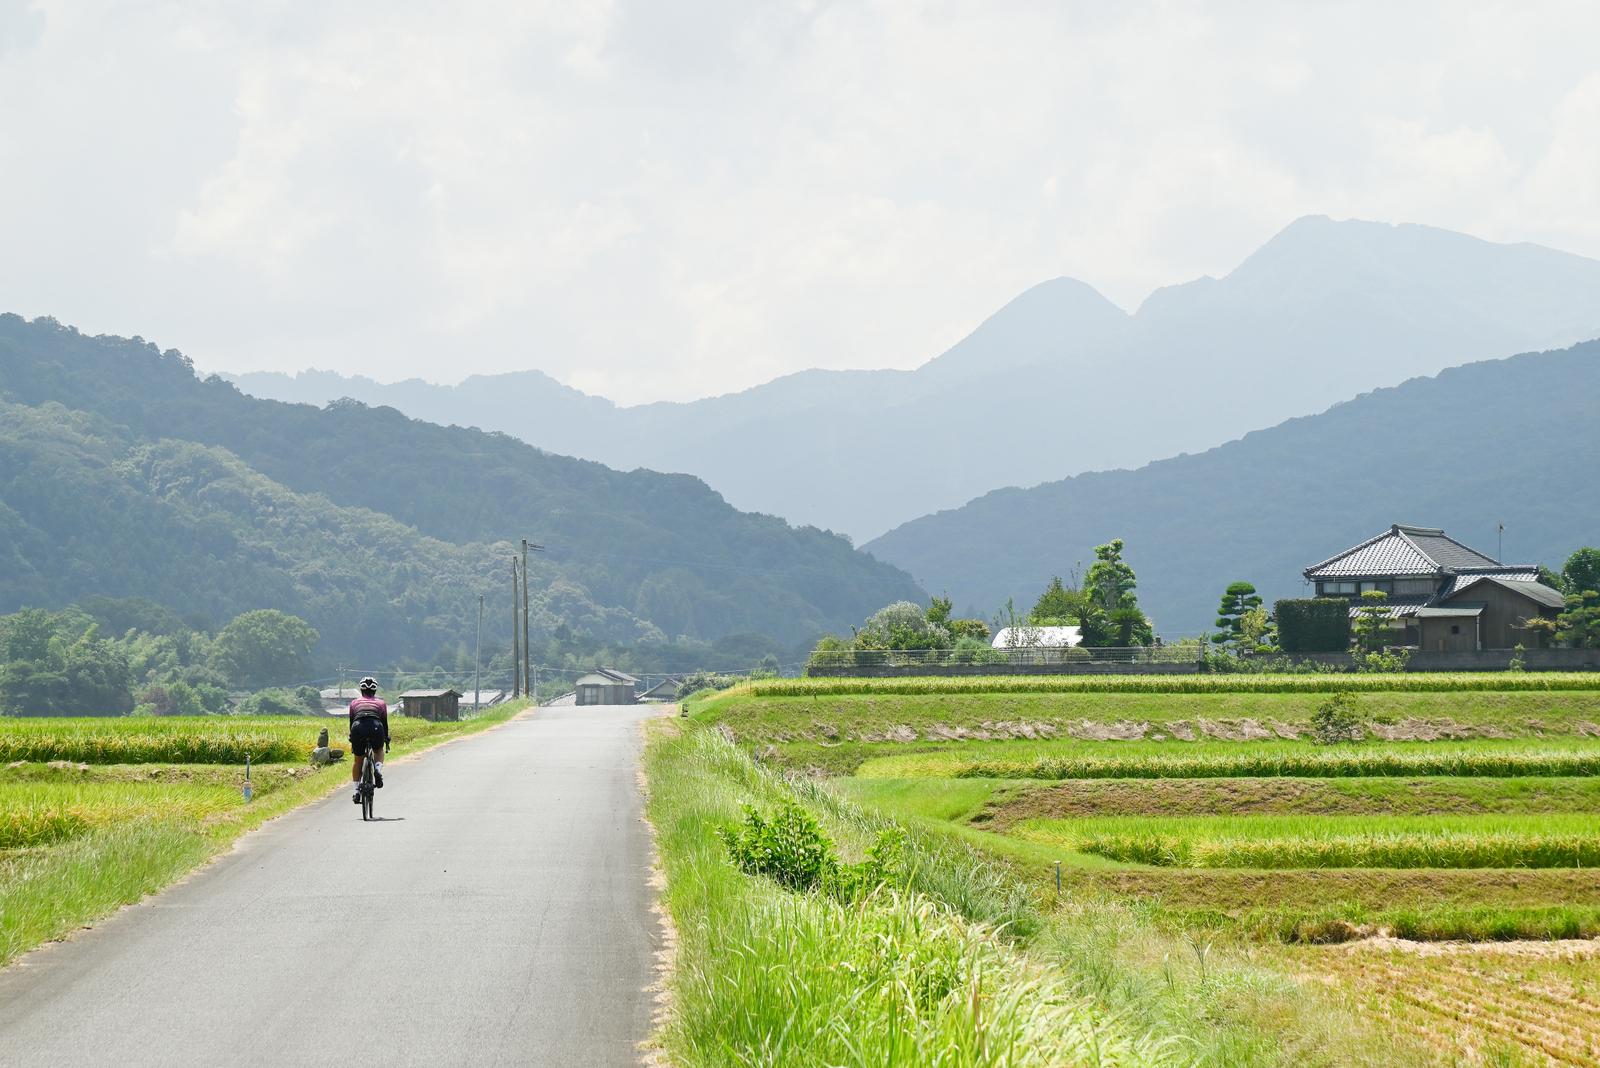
655, 200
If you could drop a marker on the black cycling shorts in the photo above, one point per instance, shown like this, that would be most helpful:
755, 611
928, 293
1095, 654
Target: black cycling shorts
366, 731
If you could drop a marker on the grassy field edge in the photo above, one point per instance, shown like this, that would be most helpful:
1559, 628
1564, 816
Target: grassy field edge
766, 976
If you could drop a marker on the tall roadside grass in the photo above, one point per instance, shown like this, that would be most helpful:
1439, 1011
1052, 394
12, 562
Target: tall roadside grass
772, 977
1322, 683
45, 893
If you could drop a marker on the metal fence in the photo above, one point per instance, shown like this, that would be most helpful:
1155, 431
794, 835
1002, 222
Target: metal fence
1021, 656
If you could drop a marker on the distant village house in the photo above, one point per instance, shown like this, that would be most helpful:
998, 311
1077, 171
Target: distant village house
1441, 596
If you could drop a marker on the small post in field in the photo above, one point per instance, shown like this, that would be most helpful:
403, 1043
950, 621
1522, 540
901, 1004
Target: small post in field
249, 792
1058, 878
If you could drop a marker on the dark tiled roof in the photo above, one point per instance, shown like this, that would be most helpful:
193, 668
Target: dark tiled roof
1393, 608
1402, 550
1448, 553
1511, 574
1530, 588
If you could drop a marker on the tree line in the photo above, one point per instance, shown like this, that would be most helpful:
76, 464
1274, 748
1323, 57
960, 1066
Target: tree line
1103, 605
114, 656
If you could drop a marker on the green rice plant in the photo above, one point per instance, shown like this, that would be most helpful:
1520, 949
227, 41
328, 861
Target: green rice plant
23, 827
1185, 684
186, 739
158, 740
40, 813
1366, 851
1376, 760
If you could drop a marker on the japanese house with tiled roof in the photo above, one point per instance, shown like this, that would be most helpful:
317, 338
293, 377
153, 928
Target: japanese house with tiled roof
1442, 595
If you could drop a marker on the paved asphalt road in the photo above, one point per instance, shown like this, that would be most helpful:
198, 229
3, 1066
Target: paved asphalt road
498, 916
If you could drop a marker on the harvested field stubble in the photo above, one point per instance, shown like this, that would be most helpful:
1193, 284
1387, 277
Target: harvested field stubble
1381, 795
1516, 1004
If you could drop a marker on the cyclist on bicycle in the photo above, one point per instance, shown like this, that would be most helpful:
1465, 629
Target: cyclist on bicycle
369, 727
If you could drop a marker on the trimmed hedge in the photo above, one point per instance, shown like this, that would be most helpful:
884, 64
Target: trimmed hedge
1313, 625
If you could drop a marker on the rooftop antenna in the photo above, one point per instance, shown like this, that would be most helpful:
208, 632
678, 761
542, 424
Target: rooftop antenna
1500, 546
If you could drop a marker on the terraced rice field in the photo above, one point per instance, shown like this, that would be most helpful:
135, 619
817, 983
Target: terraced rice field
1466, 812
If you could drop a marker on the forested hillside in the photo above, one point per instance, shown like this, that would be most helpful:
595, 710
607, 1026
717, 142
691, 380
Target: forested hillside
1060, 381
123, 474
1512, 441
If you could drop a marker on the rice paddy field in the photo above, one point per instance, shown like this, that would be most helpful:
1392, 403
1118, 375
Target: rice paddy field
96, 812
1442, 872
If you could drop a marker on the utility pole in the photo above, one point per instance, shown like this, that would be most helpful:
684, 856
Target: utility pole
527, 650
477, 660
516, 650
527, 655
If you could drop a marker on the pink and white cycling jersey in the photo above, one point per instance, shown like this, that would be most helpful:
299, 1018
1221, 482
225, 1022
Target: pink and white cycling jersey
370, 706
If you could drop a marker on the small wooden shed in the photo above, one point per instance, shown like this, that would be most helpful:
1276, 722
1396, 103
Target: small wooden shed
607, 686
435, 705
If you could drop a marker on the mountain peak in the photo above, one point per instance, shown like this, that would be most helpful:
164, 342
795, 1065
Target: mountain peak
1053, 318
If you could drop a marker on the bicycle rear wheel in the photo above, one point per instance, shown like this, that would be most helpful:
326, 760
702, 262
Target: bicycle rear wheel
367, 786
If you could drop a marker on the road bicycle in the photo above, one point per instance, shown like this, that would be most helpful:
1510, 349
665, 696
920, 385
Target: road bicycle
368, 785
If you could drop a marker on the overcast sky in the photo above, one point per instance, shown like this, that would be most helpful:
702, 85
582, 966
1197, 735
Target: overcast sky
664, 200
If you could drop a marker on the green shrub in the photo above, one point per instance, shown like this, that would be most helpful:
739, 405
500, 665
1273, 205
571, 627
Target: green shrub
1335, 720
704, 680
1313, 625
975, 651
1383, 662
790, 847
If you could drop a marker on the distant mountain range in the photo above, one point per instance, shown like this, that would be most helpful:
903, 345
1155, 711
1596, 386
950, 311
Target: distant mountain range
1514, 440
1059, 381
123, 474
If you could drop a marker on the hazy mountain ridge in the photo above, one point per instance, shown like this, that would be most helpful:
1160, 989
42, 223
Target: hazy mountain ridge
1510, 440
1061, 381
631, 553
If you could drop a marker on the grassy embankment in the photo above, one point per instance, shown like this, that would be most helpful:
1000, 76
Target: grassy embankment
959, 966
95, 813
1299, 830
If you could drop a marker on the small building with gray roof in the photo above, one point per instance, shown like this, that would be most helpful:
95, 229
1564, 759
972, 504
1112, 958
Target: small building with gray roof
607, 686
